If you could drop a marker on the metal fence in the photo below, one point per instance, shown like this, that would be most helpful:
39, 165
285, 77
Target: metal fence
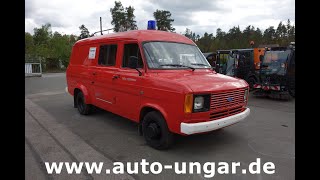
32, 69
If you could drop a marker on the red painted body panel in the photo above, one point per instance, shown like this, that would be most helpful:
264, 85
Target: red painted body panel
128, 94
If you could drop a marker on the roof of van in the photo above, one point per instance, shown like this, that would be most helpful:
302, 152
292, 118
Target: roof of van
139, 35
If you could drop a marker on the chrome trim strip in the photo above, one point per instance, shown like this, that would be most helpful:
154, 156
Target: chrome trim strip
104, 100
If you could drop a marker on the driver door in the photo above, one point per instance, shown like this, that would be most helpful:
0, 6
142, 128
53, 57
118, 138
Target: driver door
128, 84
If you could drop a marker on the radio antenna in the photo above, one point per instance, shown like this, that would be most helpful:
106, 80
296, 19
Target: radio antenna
101, 26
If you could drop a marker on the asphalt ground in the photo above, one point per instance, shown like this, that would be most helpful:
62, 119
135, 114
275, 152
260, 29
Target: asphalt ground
56, 132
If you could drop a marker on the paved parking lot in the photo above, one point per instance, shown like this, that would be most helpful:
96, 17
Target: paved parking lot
55, 132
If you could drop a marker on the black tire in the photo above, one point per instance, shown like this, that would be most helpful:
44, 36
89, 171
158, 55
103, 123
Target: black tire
156, 132
83, 108
251, 81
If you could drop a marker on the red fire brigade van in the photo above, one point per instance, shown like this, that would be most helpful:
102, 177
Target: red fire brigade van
160, 80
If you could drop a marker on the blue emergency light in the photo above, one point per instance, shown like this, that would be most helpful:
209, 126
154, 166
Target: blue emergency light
152, 25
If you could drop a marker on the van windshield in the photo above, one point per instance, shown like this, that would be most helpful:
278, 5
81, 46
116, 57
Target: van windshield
170, 55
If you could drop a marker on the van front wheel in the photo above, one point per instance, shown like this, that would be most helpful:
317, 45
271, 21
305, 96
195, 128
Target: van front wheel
156, 132
83, 108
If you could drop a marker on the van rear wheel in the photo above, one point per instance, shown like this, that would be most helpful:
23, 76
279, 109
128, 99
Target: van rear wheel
83, 108
156, 132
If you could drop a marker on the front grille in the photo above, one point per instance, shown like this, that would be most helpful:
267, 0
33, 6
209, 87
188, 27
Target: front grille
220, 99
225, 113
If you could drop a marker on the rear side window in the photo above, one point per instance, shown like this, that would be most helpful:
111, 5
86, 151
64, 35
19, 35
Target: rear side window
131, 50
107, 55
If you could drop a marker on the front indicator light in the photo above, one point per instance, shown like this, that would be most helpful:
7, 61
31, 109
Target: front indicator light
188, 103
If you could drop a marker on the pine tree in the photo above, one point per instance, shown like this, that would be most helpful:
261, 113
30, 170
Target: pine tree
123, 19
130, 19
164, 21
84, 32
118, 16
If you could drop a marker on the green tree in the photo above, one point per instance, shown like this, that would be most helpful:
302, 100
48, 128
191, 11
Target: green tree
256, 37
41, 40
220, 40
205, 43
118, 16
61, 46
234, 37
197, 37
291, 33
248, 36
288, 25
220, 34
187, 33
52, 49
29, 46
84, 32
42, 35
191, 35
281, 34
130, 19
123, 19
43, 51
164, 21
72, 39
269, 35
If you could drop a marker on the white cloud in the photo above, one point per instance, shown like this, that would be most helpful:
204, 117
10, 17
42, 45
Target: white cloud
200, 16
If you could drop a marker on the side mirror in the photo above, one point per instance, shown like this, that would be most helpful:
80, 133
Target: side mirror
133, 62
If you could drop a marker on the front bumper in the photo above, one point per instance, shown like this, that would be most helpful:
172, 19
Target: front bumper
192, 128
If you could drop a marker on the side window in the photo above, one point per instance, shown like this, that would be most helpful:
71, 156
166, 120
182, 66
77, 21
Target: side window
107, 55
131, 50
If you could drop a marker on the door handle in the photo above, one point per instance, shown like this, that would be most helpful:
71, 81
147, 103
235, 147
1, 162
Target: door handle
115, 76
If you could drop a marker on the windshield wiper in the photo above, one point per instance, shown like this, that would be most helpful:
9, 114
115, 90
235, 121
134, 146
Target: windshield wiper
178, 65
199, 64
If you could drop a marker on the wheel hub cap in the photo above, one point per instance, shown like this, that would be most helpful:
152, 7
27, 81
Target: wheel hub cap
153, 130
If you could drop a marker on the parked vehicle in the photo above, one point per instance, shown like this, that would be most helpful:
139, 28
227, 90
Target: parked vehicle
211, 58
277, 73
240, 63
158, 79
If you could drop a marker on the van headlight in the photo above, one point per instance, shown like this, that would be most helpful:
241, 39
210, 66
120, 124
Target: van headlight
198, 103
201, 103
246, 93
